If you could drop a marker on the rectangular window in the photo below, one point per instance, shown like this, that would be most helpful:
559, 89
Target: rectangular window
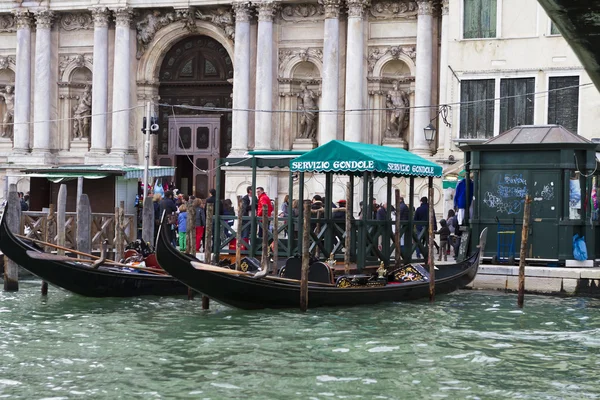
554, 29
479, 19
563, 104
477, 109
516, 102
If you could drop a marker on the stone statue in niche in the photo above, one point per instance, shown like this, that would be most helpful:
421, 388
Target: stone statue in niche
308, 108
8, 118
398, 105
82, 115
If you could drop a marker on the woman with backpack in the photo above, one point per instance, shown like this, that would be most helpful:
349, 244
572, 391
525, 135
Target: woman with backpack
452, 222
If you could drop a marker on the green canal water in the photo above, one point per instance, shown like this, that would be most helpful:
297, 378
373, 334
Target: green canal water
467, 345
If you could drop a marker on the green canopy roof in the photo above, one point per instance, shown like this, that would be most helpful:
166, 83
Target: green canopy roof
355, 158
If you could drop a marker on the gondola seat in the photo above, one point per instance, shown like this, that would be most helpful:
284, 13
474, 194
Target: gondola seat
317, 272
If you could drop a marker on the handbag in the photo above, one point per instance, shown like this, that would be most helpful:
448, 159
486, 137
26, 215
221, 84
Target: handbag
172, 219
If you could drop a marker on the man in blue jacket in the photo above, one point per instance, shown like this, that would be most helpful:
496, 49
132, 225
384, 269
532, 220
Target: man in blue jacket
460, 197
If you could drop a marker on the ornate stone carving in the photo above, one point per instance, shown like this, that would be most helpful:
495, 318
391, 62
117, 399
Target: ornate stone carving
331, 7
221, 17
7, 23
43, 19
307, 105
397, 103
75, 61
82, 114
187, 17
76, 21
375, 53
425, 7
356, 8
123, 16
242, 10
148, 25
23, 18
394, 9
100, 16
302, 12
445, 7
7, 62
8, 96
266, 10
285, 55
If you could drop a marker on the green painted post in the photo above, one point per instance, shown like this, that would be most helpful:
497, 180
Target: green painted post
387, 237
253, 211
290, 221
300, 211
411, 216
362, 230
217, 217
329, 229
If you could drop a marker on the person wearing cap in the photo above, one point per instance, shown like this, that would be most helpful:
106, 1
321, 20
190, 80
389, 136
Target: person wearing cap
340, 211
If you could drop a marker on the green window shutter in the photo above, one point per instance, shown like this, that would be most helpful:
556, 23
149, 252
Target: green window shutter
517, 102
477, 108
563, 105
479, 19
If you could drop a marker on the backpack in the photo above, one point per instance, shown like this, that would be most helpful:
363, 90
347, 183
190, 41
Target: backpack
452, 225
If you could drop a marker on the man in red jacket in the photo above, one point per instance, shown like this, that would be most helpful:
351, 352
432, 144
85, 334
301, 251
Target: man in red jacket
262, 199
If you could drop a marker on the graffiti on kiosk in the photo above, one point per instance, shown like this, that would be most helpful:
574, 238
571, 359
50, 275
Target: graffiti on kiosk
509, 195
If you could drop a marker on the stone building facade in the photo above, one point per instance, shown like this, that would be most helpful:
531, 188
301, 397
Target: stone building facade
75, 77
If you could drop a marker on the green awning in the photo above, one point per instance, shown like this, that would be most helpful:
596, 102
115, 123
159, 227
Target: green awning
355, 158
59, 177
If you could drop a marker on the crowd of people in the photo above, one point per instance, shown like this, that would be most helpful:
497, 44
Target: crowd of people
176, 206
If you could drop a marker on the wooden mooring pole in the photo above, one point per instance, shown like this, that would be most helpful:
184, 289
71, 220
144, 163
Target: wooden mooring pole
190, 243
208, 234
48, 235
148, 221
398, 247
523, 253
61, 211
275, 234
305, 257
13, 220
84, 224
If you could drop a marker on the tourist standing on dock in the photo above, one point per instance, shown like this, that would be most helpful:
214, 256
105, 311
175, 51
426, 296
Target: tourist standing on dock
168, 206
263, 198
248, 201
422, 214
200, 222
182, 226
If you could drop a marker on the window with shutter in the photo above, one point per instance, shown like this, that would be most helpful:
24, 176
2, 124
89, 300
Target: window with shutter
517, 102
477, 108
563, 101
479, 19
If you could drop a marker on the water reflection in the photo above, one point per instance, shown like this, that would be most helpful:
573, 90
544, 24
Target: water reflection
466, 345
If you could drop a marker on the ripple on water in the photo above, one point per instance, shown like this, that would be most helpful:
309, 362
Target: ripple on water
66, 346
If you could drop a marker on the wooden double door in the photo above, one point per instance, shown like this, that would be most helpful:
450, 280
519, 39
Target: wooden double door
194, 144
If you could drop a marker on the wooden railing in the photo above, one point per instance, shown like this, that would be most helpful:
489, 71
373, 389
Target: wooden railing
42, 226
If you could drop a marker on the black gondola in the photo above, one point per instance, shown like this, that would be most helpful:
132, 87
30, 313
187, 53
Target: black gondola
246, 292
104, 281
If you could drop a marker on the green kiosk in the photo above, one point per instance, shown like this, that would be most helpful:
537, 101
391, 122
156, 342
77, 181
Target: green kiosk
558, 169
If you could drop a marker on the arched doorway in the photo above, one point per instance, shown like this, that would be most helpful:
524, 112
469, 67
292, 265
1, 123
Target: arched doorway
196, 72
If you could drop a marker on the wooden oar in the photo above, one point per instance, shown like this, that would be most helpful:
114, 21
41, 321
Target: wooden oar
93, 257
51, 257
212, 268
58, 247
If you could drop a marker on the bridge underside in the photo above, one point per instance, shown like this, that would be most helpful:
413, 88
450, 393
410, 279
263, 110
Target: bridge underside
579, 23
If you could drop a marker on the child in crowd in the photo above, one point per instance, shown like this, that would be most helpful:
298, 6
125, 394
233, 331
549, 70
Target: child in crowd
182, 226
444, 233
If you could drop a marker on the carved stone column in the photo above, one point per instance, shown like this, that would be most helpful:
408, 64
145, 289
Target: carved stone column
355, 74
41, 97
445, 134
100, 80
423, 76
331, 72
264, 76
241, 78
22, 81
121, 83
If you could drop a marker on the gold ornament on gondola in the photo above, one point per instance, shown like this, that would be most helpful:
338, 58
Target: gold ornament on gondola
381, 271
244, 266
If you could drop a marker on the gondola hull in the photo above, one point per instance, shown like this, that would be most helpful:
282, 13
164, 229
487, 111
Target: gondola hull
248, 293
105, 281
